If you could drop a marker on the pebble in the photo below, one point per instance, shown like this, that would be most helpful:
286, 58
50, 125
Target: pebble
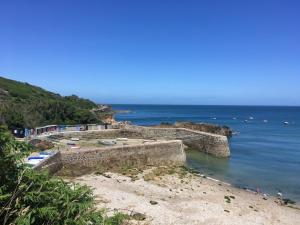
153, 202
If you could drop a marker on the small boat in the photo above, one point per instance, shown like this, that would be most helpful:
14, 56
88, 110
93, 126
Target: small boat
35, 157
46, 153
34, 161
70, 143
75, 147
246, 121
107, 142
286, 123
122, 139
74, 139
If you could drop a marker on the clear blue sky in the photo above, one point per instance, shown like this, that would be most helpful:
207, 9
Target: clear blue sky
175, 52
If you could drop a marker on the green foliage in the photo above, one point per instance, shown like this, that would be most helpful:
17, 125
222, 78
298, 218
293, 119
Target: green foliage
11, 154
33, 198
24, 105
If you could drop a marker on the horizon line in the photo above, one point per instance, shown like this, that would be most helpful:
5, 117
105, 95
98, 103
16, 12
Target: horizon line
168, 104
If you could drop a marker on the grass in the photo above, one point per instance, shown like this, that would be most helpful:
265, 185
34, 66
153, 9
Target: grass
148, 173
158, 172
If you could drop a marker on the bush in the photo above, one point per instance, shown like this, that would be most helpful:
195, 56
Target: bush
30, 197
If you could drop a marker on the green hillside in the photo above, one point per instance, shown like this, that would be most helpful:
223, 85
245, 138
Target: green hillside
25, 105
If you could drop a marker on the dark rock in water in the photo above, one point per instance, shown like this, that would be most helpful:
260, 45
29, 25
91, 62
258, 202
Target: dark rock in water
38, 144
204, 127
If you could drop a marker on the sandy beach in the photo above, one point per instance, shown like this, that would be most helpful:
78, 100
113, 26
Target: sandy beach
168, 196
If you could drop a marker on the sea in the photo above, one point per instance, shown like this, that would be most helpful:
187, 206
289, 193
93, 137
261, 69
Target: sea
265, 151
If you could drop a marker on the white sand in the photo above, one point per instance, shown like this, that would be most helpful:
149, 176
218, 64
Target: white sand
189, 200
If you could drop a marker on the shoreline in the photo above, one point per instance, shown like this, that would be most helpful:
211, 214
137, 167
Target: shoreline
263, 194
180, 197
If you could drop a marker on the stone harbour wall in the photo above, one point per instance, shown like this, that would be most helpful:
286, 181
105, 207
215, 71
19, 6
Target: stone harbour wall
77, 162
156, 153
52, 164
214, 144
167, 150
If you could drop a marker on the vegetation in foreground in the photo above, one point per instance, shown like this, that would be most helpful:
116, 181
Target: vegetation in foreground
30, 197
24, 105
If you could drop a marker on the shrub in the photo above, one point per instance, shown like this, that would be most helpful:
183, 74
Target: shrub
31, 197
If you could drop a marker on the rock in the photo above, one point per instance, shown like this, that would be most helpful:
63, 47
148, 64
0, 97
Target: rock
138, 216
106, 175
227, 198
153, 202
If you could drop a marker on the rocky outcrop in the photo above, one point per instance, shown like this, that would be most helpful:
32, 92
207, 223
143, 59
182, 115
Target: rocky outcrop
108, 118
105, 114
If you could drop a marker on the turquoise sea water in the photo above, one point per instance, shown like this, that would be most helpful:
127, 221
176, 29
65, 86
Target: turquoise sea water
265, 155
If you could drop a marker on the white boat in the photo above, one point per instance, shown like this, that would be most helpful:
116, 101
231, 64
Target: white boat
74, 147
286, 123
122, 139
34, 161
74, 139
107, 142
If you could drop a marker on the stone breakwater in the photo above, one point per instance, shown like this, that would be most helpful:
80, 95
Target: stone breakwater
81, 161
216, 145
213, 144
167, 149
204, 127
